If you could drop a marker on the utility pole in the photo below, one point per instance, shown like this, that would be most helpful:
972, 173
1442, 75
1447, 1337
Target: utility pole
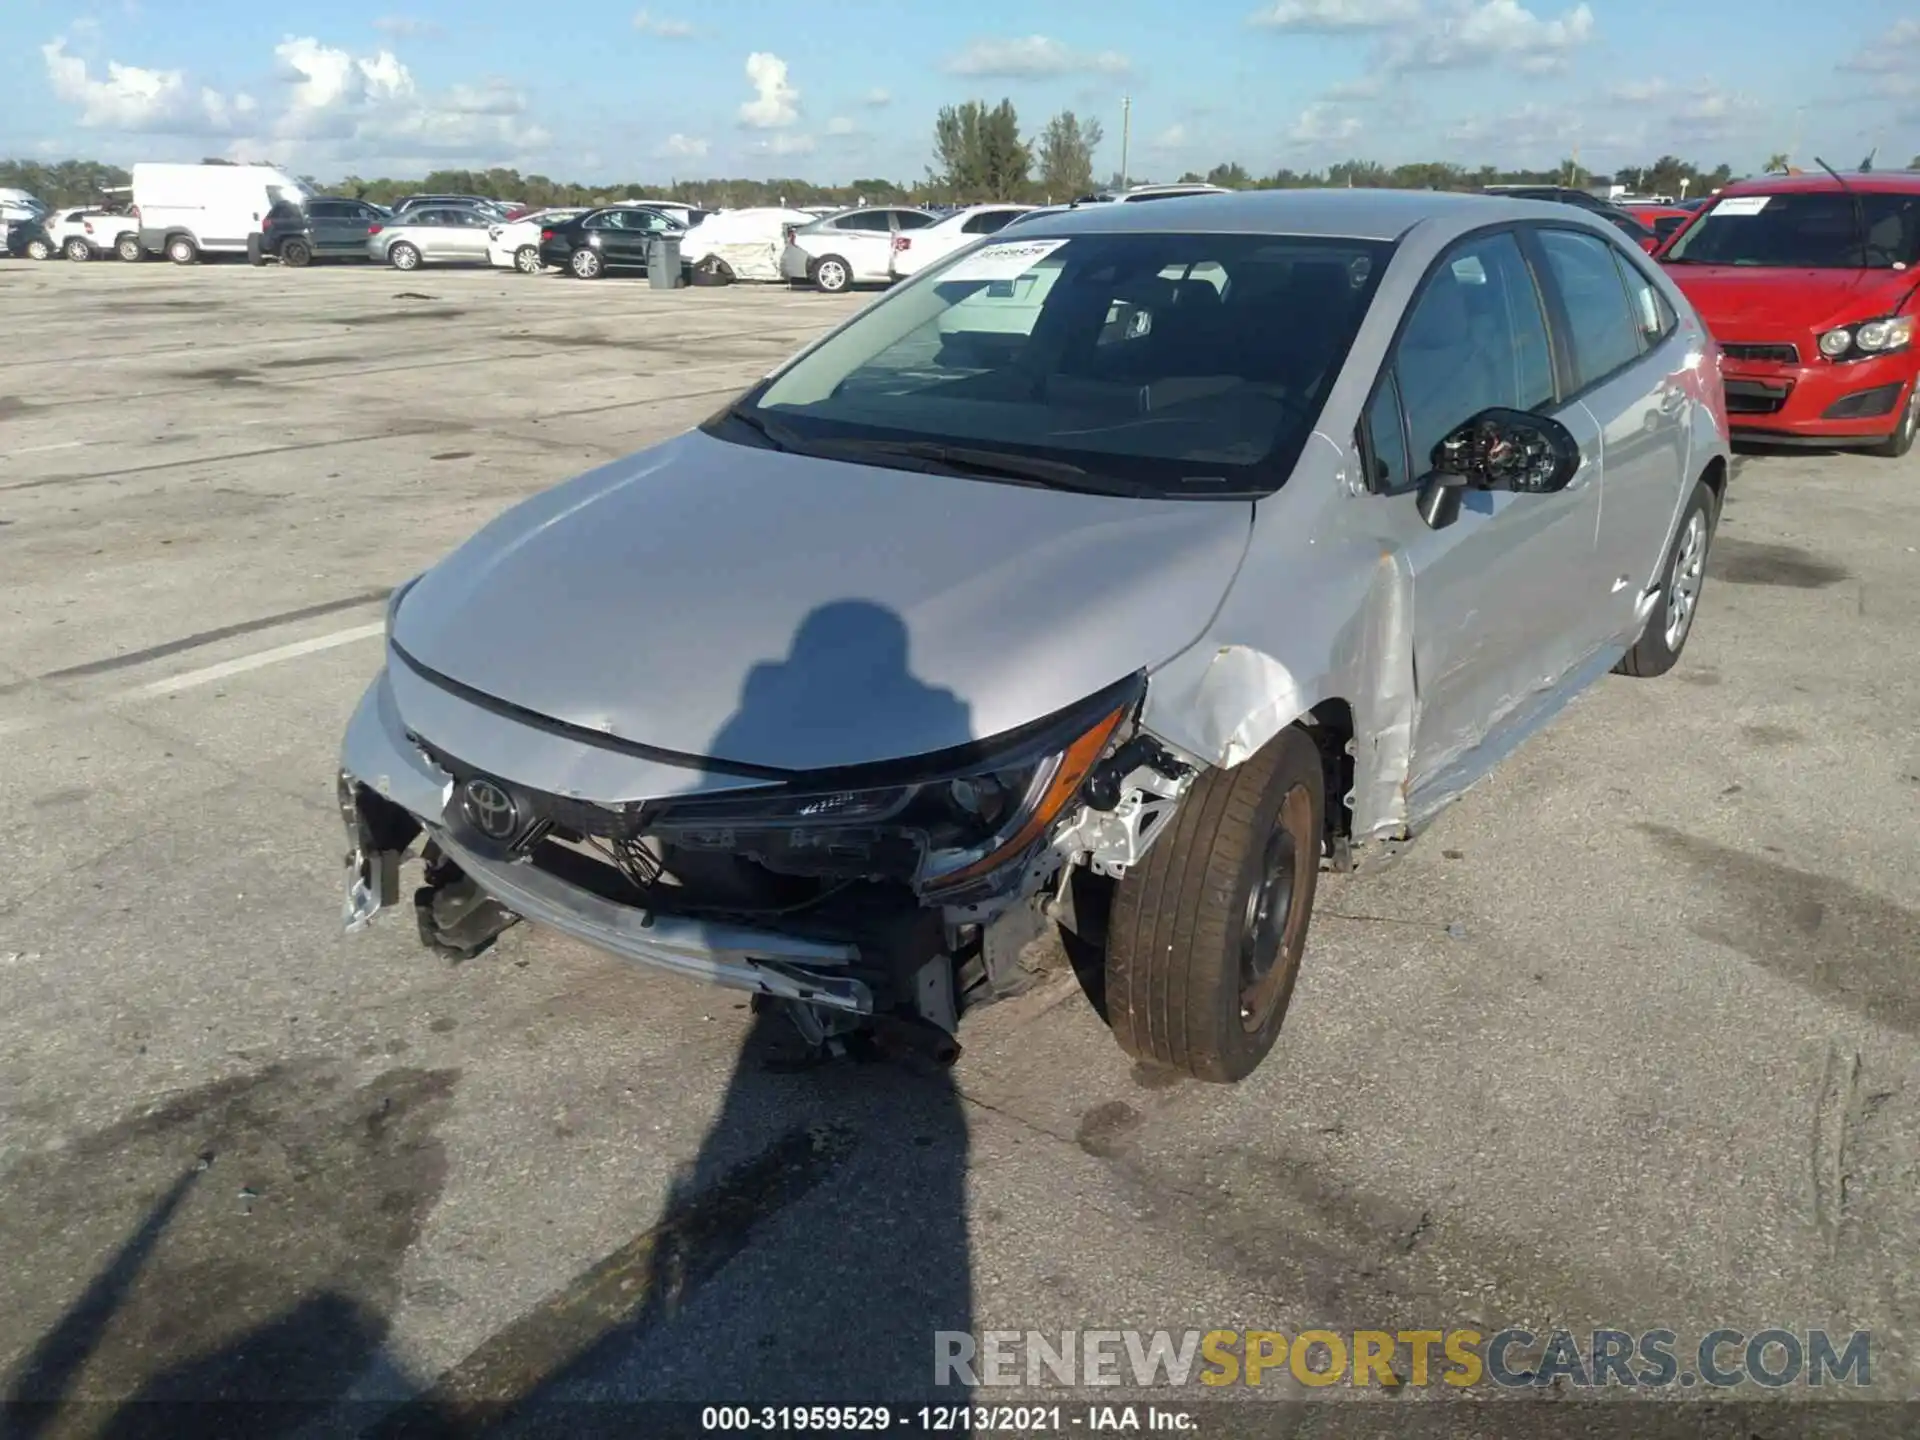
1126, 133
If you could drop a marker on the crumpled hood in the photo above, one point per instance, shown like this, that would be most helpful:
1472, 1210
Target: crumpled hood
775, 609
1741, 302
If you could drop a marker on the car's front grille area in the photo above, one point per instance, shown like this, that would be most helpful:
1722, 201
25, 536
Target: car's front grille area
1755, 397
1772, 353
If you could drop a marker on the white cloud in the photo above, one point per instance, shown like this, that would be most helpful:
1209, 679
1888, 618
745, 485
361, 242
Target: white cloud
1032, 57
349, 106
406, 27
1527, 131
1170, 138
1897, 50
878, 99
841, 125
661, 26
1361, 87
786, 145
680, 147
1469, 33
1335, 16
776, 103
1321, 124
130, 98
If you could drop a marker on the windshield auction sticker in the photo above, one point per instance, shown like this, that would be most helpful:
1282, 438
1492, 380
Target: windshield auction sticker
1006, 260
1742, 205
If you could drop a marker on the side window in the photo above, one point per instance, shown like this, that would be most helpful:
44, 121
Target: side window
602, 221
1474, 339
911, 220
1653, 317
1386, 440
862, 220
1605, 336
987, 222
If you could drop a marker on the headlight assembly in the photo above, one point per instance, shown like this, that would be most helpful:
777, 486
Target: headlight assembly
959, 819
1868, 339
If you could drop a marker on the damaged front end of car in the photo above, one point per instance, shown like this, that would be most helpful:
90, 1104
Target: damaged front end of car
884, 899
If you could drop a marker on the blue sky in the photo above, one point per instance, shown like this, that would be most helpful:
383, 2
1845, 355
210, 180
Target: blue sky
603, 90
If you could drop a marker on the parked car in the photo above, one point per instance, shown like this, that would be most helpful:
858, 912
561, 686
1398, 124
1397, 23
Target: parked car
327, 227
186, 211
615, 237
515, 244
1284, 527
86, 232
427, 235
26, 237
853, 247
408, 203
1137, 193
914, 250
745, 244
1641, 235
1810, 283
688, 215
1662, 220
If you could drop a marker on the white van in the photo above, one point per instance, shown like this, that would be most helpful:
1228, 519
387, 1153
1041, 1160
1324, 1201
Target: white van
187, 211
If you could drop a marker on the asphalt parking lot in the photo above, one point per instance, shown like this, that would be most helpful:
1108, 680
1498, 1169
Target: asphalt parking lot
1630, 1038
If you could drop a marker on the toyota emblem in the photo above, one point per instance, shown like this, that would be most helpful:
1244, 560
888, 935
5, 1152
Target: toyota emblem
490, 809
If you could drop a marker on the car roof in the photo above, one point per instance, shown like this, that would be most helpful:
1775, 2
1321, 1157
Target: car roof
1347, 214
1895, 182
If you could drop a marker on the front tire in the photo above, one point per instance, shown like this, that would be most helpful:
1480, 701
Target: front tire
832, 274
127, 247
1682, 578
296, 253
527, 259
586, 264
39, 250
182, 251
1207, 932
1901, 441
78, 249
403, 257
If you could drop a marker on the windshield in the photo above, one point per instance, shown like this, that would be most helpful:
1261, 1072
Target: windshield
1190, 365
1809, 229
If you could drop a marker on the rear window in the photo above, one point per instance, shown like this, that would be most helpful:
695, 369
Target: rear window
1193, 365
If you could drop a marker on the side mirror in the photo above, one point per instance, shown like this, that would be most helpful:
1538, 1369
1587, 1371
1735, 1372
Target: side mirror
1498, 449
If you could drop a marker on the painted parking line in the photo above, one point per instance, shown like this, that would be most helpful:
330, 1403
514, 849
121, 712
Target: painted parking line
193, 679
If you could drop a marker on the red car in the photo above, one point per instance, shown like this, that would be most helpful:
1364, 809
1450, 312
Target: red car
1810, 284
1663, 220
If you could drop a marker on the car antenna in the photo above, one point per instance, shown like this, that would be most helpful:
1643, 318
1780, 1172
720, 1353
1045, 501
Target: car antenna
1853, 198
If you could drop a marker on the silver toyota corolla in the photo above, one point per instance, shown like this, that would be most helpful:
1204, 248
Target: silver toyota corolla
1123, 576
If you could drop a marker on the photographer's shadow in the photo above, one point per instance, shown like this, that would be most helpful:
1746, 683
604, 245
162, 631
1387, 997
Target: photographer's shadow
817, 1242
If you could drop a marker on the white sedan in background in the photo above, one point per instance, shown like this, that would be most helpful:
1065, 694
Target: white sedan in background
913, 252
515, 244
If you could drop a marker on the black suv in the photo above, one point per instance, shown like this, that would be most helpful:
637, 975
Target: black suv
328, 228
1567, 195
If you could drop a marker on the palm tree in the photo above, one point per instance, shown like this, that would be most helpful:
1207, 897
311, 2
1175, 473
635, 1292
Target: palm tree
1776, 164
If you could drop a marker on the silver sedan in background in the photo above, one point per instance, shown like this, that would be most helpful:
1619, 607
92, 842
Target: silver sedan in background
1121, 572
431, 235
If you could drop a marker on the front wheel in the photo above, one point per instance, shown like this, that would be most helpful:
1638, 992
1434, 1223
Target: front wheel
1207, 932
527, 259
1901, 441
78, 249
832, 274
586, 264
39, 249
127, 247
404, 257
1658, 649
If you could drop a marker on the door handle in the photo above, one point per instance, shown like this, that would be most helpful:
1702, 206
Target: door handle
1672, 401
